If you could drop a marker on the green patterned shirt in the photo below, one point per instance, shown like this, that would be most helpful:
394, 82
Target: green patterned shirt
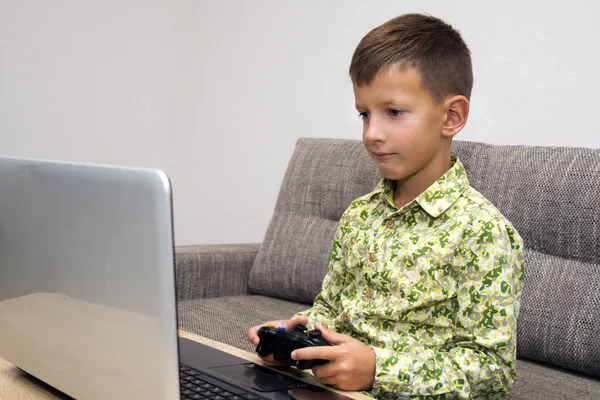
433, 287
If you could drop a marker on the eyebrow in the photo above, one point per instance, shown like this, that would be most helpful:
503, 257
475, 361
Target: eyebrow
384, 104
390, 103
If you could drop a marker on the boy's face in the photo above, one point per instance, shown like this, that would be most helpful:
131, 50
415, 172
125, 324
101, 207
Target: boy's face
402, 124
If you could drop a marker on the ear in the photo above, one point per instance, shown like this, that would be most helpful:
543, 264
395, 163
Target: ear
457, 112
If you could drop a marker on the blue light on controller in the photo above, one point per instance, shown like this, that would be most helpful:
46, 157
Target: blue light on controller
281, 328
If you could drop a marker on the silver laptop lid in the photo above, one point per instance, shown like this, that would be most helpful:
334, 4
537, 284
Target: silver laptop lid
87, 300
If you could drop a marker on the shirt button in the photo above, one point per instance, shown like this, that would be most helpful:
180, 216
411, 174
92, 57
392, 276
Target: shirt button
369, 293
389, 223
346, 318
372, 257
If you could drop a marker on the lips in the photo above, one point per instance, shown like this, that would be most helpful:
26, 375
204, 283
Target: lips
382, 156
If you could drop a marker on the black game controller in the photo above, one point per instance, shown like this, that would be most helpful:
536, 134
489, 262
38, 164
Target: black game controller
281, 343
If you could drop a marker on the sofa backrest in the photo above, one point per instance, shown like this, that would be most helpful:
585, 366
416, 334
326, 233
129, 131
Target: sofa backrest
552, 197
550, 194
323, 177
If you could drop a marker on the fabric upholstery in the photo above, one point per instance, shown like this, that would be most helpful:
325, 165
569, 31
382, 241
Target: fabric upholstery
549, 194
213, 270
541, 382
322, 179
227, 319
560, 317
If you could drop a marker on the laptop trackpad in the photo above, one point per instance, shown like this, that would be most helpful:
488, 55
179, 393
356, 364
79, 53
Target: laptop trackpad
258, 377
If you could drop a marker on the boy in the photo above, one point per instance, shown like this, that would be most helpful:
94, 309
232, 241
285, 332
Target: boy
422, 293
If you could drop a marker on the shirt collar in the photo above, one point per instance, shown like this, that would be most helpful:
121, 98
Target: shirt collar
438, 197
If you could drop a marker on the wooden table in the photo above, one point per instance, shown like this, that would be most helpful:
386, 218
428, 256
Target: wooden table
18, 385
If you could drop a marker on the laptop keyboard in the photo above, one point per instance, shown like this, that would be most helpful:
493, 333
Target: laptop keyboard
194, 385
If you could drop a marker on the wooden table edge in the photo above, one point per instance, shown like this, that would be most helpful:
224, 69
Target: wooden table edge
16, 384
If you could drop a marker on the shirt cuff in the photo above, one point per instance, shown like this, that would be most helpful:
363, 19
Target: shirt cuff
393, 372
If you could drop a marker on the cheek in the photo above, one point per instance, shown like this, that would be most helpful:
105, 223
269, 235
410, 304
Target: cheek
404, 133
415, 131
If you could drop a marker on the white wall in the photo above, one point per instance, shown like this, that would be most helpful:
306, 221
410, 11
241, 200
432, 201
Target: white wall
217, 92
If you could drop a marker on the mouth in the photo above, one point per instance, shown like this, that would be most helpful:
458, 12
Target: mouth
383, 156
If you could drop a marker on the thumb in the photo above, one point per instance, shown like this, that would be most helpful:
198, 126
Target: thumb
331, 336
298, 320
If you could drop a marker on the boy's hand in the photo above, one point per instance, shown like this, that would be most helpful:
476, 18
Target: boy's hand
288, 324
351, 363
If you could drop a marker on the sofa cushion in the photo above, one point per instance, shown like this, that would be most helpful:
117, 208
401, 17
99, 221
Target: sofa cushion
540, 382
551, 196
323, 177
227, 319
559, 321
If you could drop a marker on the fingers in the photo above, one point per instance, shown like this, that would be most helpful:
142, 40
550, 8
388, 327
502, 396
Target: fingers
253, 332
331, 336
285, 323
253, 335
269, 361
329, 353
302, 320
331, 381
325, 371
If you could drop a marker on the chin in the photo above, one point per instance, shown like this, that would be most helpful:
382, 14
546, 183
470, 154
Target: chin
388, 171
391, 176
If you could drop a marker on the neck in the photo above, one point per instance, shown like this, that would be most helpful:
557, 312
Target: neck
408, 189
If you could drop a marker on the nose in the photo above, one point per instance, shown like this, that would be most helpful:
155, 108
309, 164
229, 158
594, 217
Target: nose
372, 131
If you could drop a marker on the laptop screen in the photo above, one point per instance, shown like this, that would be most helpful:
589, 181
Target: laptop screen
87, 299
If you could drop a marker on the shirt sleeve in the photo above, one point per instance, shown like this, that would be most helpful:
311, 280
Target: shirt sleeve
480, 360
325, 307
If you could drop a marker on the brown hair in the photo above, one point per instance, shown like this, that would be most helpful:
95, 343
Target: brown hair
428, 44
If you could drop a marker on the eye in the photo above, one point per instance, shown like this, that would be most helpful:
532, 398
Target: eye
394, 113
364, 115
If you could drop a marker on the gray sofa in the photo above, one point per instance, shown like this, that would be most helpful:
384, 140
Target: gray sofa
550, 194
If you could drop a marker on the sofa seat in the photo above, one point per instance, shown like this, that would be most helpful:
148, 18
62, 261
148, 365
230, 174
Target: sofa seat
536, 381
224, 318
227, 319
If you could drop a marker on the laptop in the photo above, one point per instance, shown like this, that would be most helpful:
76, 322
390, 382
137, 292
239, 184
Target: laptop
87, 290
